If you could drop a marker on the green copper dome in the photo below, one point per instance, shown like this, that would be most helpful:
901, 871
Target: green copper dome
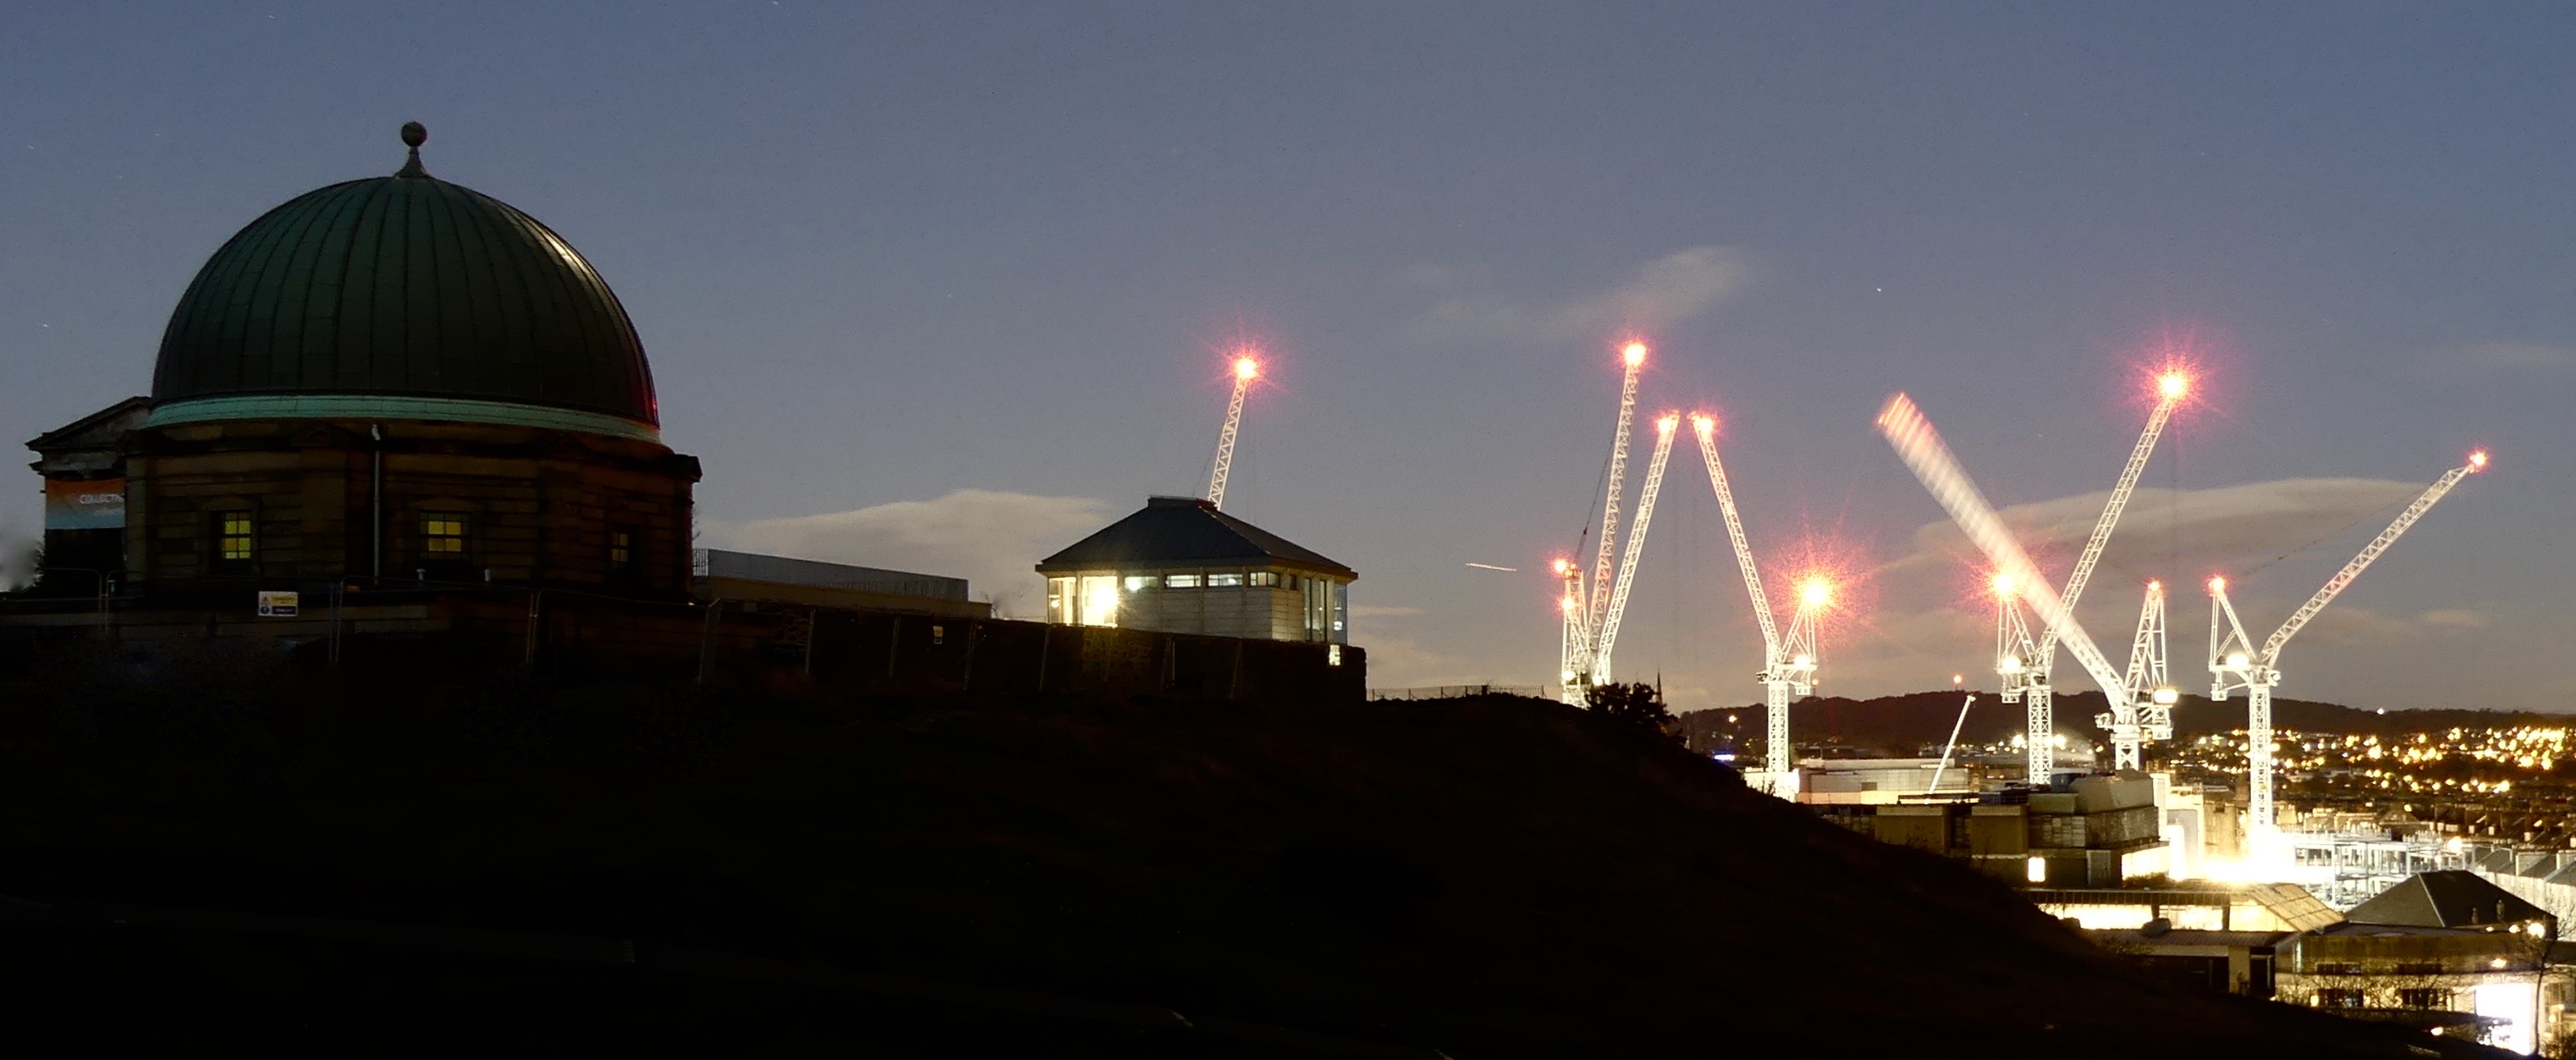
403, 297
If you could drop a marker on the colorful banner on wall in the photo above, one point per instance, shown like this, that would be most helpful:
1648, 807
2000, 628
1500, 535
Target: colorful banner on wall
95, 504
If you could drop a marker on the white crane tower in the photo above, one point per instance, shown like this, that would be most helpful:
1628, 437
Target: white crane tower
1246, 369
1592, 606
1788, 663
1921, 448
2024, 666
2235, 663
2148, 689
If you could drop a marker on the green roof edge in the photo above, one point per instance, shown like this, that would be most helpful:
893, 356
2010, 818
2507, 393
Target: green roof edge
395, 407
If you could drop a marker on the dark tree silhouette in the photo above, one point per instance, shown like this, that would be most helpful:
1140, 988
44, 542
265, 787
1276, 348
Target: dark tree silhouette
1640, 706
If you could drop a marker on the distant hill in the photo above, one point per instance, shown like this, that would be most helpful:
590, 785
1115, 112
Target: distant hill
1901, 724
659, 867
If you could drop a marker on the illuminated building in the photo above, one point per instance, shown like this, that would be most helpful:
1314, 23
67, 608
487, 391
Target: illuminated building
2444, 951
1181, 566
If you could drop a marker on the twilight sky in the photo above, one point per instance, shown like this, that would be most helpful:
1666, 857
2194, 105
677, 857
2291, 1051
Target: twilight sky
947, 286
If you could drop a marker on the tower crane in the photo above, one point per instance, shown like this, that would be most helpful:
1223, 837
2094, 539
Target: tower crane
1920, 446
1586, 603
2236, 663
1246, 369
2147, 690
1788, 662
1609, 634
2024, 666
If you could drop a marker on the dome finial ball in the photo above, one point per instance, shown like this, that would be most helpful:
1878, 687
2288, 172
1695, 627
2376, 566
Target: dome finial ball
414, 134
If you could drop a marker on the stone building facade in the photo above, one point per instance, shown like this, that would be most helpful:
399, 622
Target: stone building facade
387, 382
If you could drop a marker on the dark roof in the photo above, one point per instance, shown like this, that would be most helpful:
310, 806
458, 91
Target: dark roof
88, 429
1184, 530
404, 286
2449, 898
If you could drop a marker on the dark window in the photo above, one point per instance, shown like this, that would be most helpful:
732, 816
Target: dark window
236, 540
2425, 998
2339, 999
2339, 968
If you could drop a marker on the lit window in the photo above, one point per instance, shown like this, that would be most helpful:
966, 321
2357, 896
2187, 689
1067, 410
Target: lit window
1265, 577
233, 537
1181, 581
1137, 583
1060, 601
1099, 599
621, 548
1218, 581
1332, 655
443, 535
2038, 870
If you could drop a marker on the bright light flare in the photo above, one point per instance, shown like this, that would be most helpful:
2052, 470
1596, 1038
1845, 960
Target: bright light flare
2004, 585
1815, 592
1561, 566
1703, 423
2478, 461
2239, 660
2217, 586
2154, 586
1669, 421
2173, 385
1246, 369
1634, 353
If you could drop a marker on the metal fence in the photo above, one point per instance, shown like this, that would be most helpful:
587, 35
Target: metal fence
1459, 691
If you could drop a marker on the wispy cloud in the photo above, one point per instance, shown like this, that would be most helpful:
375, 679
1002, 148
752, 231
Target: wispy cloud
1368, 611
2221, 528
2453, 618
1665, 291
991, 538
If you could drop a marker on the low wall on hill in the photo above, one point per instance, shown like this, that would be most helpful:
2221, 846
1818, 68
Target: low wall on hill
731, 642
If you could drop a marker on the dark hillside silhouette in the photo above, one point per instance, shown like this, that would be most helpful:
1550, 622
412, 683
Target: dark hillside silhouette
485, 860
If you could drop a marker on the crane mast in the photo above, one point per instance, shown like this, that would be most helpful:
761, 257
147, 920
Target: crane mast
1636, 545
2236, 664
2143, 710
1586, 603
2014, 652
1603, 574
1246, 369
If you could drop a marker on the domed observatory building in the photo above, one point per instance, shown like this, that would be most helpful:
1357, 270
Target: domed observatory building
398, 382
